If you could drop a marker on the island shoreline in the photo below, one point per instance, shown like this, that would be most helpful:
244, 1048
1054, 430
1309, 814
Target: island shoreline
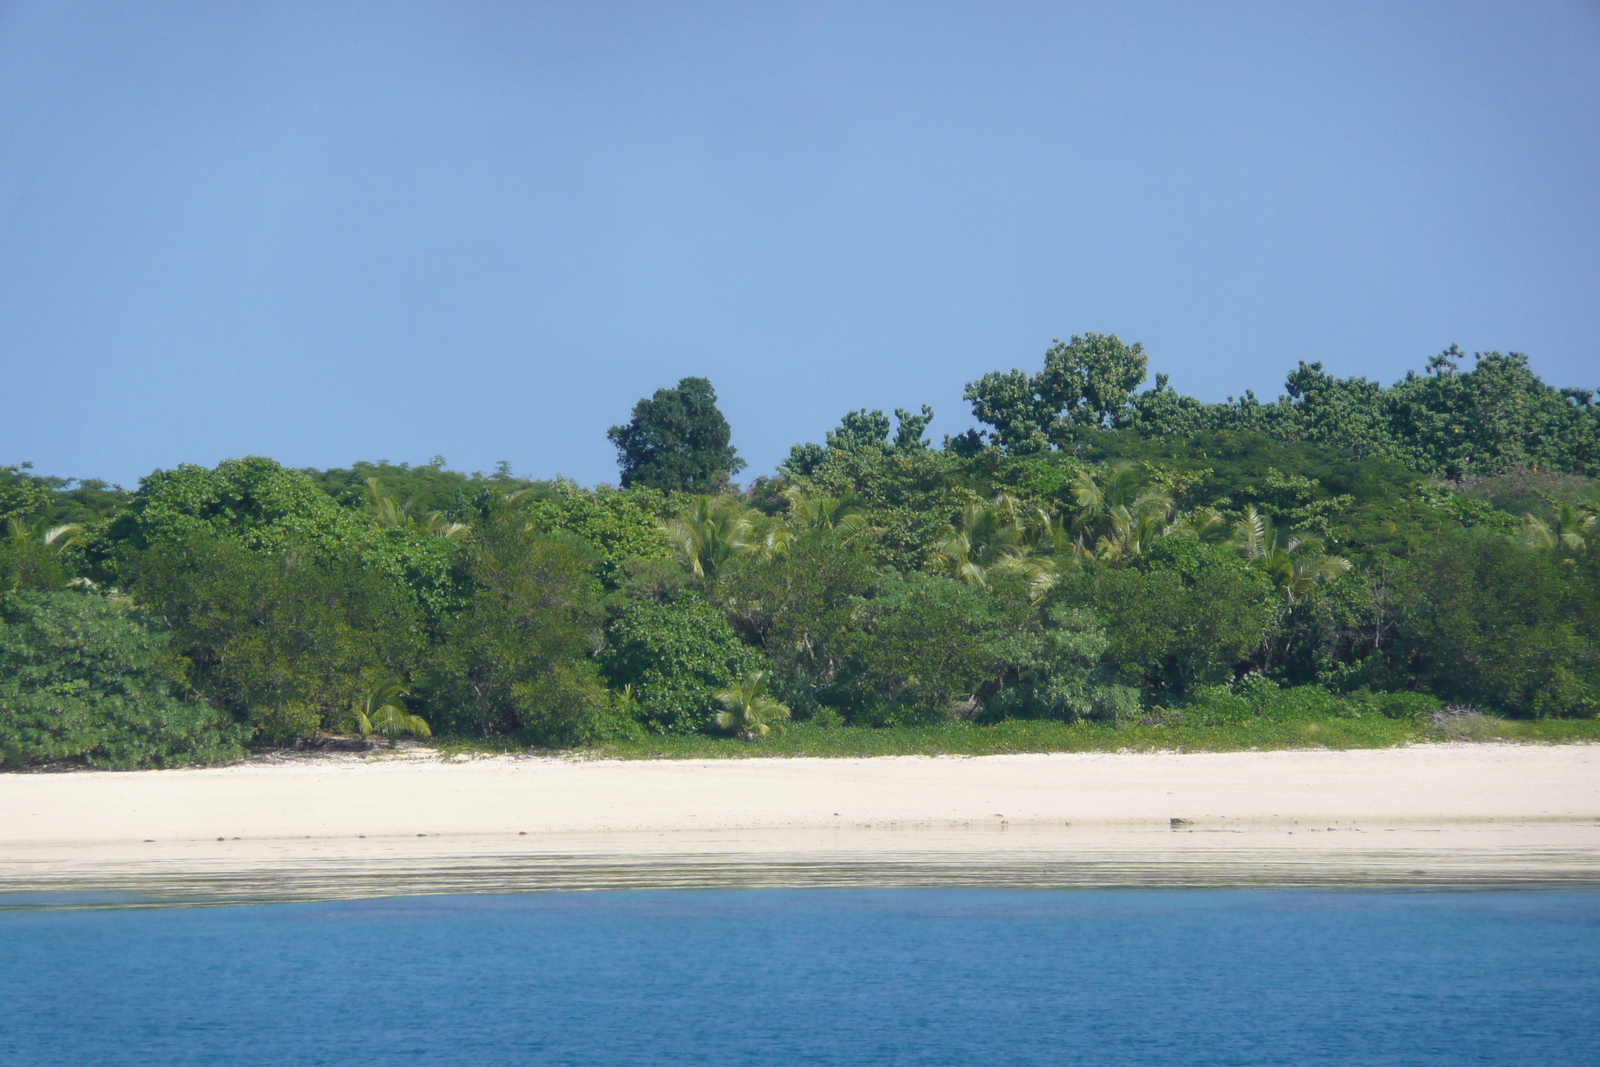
1434, 815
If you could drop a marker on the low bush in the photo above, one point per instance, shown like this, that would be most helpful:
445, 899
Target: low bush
84, 679
675, 654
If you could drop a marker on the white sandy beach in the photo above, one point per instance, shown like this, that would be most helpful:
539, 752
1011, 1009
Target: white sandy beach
1446, 814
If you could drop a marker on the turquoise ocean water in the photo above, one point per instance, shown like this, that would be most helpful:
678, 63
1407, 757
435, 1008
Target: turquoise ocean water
769, 977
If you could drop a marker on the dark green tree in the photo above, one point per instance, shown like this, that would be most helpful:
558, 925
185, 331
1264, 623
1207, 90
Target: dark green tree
863, 431
677, 440
1186, 615
1485, 620
802, 607
288, 638
1450, 422
517, 659
923, 648
676, 653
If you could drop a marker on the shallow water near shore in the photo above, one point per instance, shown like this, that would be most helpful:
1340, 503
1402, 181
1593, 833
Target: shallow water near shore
925, 976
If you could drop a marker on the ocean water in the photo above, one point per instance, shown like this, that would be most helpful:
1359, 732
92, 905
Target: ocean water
778, 978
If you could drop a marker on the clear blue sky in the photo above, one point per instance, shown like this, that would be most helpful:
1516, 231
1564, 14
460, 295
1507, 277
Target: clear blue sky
326, 232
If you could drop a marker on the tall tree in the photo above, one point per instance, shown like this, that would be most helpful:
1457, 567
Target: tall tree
1085, 383
677, 439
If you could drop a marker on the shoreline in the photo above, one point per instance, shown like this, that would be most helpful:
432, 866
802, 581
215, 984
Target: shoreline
321, 828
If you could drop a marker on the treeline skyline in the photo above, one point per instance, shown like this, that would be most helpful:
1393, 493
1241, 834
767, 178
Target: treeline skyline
1096, 554
1010, 409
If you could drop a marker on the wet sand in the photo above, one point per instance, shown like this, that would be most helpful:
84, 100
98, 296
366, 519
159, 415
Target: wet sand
371, 826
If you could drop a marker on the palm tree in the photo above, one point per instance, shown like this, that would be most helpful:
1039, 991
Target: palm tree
1121, 483
387, 511
1119, 515
24, 534
992, 539
749, 710
1296, 564
441, 525
1570, 532
384, 712
1132, 531
711, 531
818, 512
389, 514
1206, 525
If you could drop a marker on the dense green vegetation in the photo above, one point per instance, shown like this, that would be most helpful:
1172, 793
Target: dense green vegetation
1099, 567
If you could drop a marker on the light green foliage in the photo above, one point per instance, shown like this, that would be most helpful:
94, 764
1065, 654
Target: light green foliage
429, 487
815, 513
22, 496
1568, 532
710, 532
993, 541
1255, 700
83, 678
1085, 383
1294, 502
1147, 569
676, 654
1295, 563
388, 512
1463, 509
910, 498
257, 500
384, 712
34, 556
748, 709
265, 507
616, 525
1055, 672
1119, 516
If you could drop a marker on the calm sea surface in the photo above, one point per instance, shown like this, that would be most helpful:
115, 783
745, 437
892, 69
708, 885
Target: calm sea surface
970, 977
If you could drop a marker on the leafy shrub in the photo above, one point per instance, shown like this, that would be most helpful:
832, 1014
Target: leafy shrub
272, 510
83, 678
921, 645
27, 564
287, 638
1257, 698
1186, 617
676, 654
616, 525
516, 660
803, 609
1486, 620
1055, 673
1410, 707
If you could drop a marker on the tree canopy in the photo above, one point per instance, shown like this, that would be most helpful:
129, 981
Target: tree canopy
1131, 560
677, 439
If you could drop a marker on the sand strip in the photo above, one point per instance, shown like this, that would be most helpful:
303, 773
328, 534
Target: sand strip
1425, 815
